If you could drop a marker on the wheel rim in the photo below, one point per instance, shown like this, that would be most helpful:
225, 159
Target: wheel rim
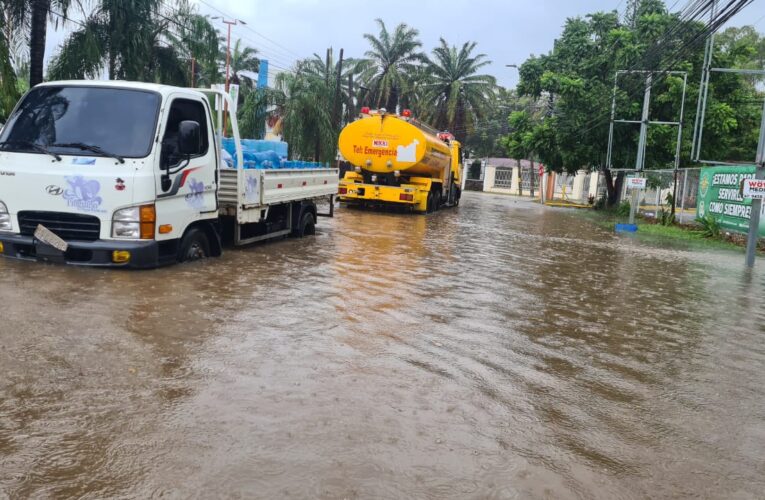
196, 251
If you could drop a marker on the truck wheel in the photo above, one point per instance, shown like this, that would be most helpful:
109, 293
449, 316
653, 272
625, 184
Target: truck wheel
307, 226
436, 200
429, 207
194, 246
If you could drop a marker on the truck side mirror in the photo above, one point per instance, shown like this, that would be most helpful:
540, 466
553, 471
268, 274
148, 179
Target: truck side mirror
189, 143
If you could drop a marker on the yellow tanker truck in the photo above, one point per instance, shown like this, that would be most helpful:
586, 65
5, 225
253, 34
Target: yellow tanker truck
399, 162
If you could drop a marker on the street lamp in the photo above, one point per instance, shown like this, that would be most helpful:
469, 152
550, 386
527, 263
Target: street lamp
511, 66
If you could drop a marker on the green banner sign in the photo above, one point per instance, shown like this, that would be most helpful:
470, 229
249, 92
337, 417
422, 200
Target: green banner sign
720, 196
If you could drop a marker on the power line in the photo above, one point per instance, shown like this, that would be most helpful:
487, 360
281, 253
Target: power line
699, 8
259, 49
251, 29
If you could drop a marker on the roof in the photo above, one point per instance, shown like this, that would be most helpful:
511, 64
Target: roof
122, 84
507, 162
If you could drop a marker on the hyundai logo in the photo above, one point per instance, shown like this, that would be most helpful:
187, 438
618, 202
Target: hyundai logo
54, 190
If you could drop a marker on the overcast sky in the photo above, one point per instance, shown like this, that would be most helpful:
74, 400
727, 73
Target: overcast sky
507, 31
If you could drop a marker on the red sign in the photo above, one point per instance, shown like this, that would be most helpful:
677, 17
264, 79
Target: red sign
541, 170
754, 188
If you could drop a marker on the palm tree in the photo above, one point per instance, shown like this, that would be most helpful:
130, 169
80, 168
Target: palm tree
242, 59
8, 86
197, 41
38, 12
132, 39
306, 111
390, 61
13, 65
458, 97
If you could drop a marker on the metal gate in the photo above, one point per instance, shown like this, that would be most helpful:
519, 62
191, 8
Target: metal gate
503, 178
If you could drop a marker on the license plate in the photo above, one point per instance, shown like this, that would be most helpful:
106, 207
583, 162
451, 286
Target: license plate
45, 235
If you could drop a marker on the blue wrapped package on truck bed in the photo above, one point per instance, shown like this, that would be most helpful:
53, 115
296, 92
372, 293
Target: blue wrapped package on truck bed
263, 154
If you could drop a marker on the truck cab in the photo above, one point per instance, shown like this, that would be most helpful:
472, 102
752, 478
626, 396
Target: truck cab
116, 174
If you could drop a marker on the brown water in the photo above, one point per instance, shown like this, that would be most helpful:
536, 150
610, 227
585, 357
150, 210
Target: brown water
498, 351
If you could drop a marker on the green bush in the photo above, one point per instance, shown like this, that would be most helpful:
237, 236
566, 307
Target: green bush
624, 209
710, 226
475, 169
666, 217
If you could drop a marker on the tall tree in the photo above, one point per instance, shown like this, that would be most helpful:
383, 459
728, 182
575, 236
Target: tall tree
197, 42
242, 59
306, 110
457, 94
390, 60
141, 40
12, 14
39, 11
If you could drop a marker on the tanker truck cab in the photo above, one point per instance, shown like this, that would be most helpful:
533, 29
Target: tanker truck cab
119, 174
399, 161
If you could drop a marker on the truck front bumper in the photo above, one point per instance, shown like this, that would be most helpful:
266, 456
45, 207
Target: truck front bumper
99, 253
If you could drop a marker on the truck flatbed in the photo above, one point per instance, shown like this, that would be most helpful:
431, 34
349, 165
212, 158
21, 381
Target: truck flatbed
245, 193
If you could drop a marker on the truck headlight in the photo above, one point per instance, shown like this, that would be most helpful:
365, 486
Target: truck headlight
134, 222
5, 218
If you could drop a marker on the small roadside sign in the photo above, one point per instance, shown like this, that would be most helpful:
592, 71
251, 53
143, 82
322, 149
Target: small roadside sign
754, 189
636, 182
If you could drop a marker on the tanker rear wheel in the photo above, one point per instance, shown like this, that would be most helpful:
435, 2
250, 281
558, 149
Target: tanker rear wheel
436, 200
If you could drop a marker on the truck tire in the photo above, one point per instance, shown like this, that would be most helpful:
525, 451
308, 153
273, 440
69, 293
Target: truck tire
429, 206
194, 246
306, 226
436, 200
456, 194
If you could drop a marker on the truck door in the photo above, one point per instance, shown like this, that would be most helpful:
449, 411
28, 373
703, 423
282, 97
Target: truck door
186, 187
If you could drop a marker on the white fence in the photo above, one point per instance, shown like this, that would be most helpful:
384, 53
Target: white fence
660, 189
585, 187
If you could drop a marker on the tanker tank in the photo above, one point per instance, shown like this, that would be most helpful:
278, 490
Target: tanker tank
384, 143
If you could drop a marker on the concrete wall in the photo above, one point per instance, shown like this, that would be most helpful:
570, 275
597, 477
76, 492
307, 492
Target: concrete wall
489, 175
581, 190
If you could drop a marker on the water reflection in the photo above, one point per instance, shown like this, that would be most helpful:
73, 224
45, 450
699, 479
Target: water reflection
494, 351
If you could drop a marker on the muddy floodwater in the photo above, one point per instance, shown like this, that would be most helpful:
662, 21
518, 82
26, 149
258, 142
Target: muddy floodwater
500, 350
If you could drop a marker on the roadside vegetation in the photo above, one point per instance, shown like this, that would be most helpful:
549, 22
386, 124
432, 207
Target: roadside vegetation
558, 115
565, 124
171, 42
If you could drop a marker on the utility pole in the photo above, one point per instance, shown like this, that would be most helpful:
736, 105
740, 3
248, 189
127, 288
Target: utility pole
644, 123
701, 105
329, 57
336, 104
640, 161
754, 215
233, 22
351, 104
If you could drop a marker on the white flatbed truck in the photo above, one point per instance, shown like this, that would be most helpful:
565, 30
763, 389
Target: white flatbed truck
124, 174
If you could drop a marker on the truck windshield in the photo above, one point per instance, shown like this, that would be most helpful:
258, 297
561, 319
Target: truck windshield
118, 122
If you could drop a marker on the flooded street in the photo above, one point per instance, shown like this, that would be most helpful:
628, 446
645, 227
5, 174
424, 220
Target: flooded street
501, 350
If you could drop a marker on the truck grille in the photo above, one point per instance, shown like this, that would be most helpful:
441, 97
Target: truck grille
67, 226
